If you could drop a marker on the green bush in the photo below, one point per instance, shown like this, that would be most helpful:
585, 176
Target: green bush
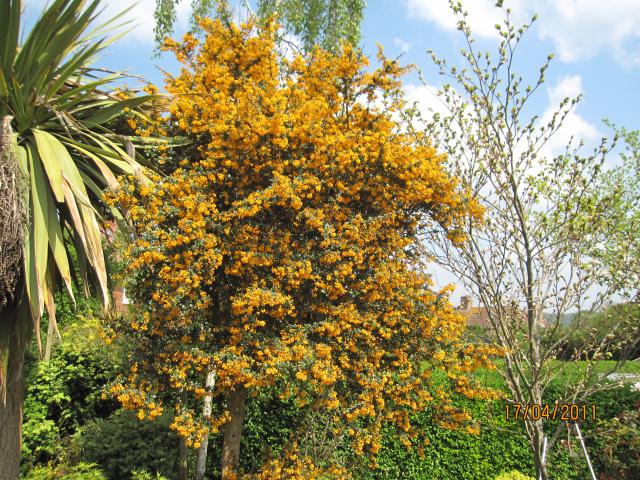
121, 444
82, 471
616, 327
452, 454
64, 412
617, 443
269, 422
60, 396
513, 475
144, 475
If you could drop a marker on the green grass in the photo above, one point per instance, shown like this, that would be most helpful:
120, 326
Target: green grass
564, 372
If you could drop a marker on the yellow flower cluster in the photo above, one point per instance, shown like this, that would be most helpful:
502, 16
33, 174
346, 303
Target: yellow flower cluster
279, 242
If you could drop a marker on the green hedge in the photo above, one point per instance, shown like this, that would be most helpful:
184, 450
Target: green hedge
456, 455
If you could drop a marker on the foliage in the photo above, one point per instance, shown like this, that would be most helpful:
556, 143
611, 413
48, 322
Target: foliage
513, 475
449, 455
617, 442
64, 393
612, 332
121, 444
61, 143
281, 248
165, 15
616, 248
327, 23
144, 475
82, 471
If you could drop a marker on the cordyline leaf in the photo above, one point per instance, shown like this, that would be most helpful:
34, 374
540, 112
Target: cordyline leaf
107, 155
4, 89
38, 238
109, 113
108, 175
9, 30
95, 254
51, 305
50, 147
58, 247
51, 165
76, 220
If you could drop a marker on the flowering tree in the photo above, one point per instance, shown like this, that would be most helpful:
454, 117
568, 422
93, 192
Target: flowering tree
280, 249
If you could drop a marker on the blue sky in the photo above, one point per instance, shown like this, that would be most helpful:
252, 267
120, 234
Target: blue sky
596, 43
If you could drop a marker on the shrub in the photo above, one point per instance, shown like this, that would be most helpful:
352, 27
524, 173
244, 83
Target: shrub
121, 444
82, 471
616, 327
513, 475
61, 395
144, 475
456, 455
617, 442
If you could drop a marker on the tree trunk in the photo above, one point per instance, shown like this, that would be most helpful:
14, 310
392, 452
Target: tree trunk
236, 403
201, 460
183, 460
539, 453
538, 435
14, 332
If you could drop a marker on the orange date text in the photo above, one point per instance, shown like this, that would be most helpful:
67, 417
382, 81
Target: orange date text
565, 412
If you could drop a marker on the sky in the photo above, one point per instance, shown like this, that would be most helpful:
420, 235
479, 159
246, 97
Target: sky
596, 46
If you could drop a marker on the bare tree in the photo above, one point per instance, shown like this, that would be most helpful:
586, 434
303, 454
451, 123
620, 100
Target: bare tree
526, 262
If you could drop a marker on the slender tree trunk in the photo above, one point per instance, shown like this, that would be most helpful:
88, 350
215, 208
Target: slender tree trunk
236, 403
201, 460
15, 321
183, 460
538, 434
14, 329
538, 451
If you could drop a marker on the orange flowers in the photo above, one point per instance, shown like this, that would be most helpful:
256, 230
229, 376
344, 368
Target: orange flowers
279, 244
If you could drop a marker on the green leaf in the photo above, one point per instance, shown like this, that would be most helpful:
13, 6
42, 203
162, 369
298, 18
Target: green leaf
105, 114
9, 31
51, 147
38, 233
56, 241
51, 163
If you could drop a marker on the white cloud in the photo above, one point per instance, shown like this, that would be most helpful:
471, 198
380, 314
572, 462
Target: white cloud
141, 16
483, 15
574, 125
402, 44
582, 29
579, 29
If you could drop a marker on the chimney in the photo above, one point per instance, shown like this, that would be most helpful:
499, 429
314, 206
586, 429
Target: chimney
465, 303
119, 299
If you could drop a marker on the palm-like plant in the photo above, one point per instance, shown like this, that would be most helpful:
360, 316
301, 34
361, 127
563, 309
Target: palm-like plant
59, 107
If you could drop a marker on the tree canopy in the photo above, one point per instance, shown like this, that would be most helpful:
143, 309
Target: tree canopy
327, 23
279, 247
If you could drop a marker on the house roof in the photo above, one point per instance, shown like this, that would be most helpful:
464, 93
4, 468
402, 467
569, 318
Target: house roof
476, 316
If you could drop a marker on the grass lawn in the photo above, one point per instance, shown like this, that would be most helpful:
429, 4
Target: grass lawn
567, 373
